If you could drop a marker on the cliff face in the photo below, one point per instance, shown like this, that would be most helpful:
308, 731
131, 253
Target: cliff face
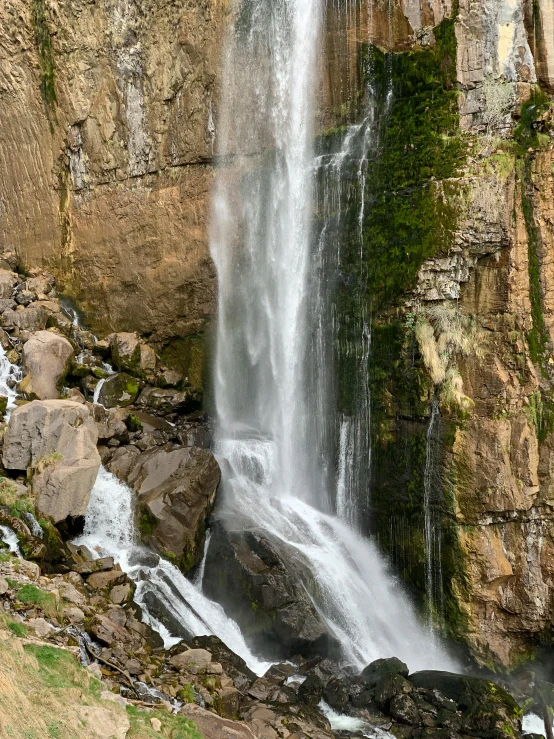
107, 126
463, 321
106, 144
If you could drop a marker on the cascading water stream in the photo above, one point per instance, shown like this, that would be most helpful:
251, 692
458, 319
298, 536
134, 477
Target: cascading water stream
433, 543
109, 531
271, 380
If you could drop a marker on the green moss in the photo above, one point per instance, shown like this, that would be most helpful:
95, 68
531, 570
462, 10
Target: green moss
133, 423
410, 211
186, 694
43, 40
147, 522
537, 337
187, 356
527, 131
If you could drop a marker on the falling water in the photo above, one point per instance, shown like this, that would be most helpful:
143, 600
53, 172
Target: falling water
271, 384
433, 542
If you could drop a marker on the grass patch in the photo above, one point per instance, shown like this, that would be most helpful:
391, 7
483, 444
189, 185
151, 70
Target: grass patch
43, 40
173, 727
33, 596
18, 629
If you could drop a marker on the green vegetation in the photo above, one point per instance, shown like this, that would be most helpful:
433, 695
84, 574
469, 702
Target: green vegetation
133, 423
18, 629
528, 131
175, 727
147, 522
33, 596
43, 39
410, 214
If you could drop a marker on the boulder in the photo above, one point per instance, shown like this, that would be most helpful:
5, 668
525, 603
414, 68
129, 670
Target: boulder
119, 390
192, 660
487, 709
130, 354
259, 586
46, 360
56, 439
311, 690
380, 668
176, 490
8, 281
162, 400
212, 726
32, 318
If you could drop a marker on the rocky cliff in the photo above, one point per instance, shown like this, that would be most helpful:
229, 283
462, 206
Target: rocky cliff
107, 120
107, 130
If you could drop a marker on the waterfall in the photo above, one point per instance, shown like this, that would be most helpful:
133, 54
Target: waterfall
432, 529
273, 359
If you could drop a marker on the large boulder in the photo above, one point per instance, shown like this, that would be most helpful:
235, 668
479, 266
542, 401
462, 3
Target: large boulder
55, 440
176, 490
8, 281
32, 318
119, 390
130, 354
259, 586
164, 400
46, 360
488, 710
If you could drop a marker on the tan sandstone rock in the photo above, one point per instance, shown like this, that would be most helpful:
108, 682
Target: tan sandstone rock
46, 360
56, 440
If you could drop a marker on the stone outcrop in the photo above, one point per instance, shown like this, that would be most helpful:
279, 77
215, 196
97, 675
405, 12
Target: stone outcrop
55, 440
257, 584
176, 489
46, 360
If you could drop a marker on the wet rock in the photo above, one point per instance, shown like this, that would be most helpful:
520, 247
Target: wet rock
259, 587
380, 668
337, 694
388, 687
164, 401
403, 709
310, 691
131, 355
56, 439
119, 390
176, 490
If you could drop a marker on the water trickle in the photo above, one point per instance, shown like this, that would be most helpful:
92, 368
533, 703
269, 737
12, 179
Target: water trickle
432, 523
97, 389
34, 526
10, 375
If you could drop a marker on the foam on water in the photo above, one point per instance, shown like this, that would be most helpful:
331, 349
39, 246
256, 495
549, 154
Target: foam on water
9, 538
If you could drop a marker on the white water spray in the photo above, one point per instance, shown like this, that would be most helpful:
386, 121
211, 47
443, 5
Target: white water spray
270, 407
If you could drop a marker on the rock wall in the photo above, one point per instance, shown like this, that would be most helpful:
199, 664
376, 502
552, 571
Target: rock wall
473, 332
107, 122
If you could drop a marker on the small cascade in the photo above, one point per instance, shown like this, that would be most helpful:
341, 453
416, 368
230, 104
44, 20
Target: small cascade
97, 389
432, 524
35, 527
9, 538
10, 375
109, 531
